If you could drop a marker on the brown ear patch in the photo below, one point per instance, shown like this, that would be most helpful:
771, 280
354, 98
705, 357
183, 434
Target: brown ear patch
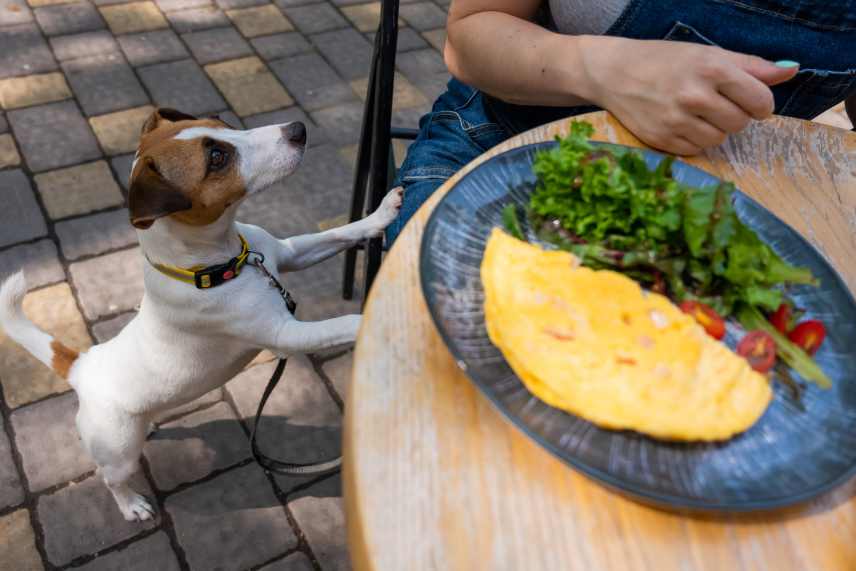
151, 196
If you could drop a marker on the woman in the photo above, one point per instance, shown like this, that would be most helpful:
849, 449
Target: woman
680, 74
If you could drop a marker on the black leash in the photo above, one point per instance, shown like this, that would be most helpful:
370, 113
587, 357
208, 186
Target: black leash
263, 460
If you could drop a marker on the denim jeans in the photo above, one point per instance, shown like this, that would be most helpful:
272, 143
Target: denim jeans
820, 34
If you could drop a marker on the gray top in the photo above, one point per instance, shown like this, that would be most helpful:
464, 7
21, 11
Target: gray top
586, 16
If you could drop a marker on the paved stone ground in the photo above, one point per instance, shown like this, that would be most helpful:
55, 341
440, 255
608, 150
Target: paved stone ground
77, 80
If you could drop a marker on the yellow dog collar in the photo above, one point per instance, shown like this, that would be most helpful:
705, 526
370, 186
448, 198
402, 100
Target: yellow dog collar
210, 276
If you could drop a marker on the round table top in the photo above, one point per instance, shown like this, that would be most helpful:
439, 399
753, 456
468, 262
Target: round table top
436, 478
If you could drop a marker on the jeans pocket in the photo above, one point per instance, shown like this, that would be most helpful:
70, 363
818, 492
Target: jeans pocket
813, 91
681, 32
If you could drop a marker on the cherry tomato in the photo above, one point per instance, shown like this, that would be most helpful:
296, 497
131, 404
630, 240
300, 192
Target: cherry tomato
706, 316
759, 349
781, 319
809, 335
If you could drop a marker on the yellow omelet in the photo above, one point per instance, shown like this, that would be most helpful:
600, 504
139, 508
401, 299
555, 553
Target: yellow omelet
595, 344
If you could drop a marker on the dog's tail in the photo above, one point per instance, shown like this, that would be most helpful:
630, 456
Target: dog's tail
24, 332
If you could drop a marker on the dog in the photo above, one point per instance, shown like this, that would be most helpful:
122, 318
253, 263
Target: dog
191, 335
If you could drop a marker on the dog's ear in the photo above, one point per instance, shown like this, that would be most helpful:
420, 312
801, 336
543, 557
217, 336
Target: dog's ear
151, 196
162, 114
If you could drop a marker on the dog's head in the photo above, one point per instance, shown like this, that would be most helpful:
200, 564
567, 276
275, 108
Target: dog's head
194, 169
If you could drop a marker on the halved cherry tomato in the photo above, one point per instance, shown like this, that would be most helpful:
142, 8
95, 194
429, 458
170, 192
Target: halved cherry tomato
759, 349
809, 335
706, 316
781, 319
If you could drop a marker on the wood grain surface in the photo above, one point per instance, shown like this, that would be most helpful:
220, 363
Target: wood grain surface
435, 478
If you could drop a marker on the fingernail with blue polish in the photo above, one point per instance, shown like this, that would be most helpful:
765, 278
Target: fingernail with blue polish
787, 63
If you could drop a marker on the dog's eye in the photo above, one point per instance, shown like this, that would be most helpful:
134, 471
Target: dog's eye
217, 158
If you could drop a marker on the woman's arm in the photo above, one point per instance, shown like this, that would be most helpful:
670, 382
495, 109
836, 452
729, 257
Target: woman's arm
679, 97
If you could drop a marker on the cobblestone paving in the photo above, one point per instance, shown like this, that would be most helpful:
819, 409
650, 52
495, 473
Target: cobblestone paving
77, 80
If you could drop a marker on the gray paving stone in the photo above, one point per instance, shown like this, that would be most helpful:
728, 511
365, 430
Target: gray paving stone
347, 51
20, 218
23, 51
338, 370
217, 45
69, 19
419, 63
153, 552
83, 518
38, 260
95, 234
315, 18
231, 522
197, 19
175, 5
231, 4
315, 134
109, 284
47, 439
4, 125
432, 85
408, 39
182, 85
11, 490
53, 135
423, 15
341, 124
281, 45
14, 12
109, 328
122, 169
312, 82
152, 47
287, 3
83, 45
294, 562
320, 514
231, 119
206, 441
104, 83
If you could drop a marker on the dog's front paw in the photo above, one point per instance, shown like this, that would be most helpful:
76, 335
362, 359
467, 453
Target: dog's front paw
386, 212
136, 508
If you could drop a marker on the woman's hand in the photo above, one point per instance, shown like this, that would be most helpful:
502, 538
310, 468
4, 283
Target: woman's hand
677, 96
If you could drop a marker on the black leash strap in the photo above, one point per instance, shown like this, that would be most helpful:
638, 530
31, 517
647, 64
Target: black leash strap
263, 460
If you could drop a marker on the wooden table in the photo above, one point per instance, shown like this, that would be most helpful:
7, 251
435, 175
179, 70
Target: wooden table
435, 478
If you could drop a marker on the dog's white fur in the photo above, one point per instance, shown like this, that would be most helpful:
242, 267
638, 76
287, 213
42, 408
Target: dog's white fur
185, 342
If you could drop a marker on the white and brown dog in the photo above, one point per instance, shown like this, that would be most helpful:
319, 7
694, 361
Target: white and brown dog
186, 182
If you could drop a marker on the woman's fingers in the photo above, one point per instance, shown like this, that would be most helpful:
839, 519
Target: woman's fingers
702, 134
747, 92
725, 115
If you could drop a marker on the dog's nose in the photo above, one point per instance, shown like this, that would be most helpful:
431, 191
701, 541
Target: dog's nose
295, 132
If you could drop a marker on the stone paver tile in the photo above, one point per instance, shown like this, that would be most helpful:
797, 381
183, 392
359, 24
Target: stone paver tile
47, 439
423, 15
404, 96
205, 401
177, 5
347, 51
320, 514
312, 82
133, 17
18, 542
83, 45
436, 38
122, 168
259, 21
69, 19
338, 370
408, 39
341, 123
40, 3
9, 156
218, 44
38, 260
83, 518
249, 86
23, 51
231, 522
197, 19
153, 552
232, 4
294, 562
152, 47
33, 90
301, 421
20, 217
182, 85
78, 190
119, 132
231, 119
95, 234
295, 113
14, 12
109, 328
26, 379
432, 85
4, 125
104, 83
419, 63
288, 3
316, 18
109, 284
206, 441
335, 221
11, 491
281, 45
366, 17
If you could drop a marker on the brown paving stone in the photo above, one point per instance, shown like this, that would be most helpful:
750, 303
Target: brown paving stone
436, 38
119, 132
9, 156
133, 17
404, 95
320, 514
25, 378
78, 190
334, 222
33, 90
249, 86
38, 260
18, 543
40, 3
109, 284
259, 21
366, 17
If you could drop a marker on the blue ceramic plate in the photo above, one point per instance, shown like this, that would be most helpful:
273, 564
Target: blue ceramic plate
788, 456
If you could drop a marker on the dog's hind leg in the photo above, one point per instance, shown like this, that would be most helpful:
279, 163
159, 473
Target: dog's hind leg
115, 440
